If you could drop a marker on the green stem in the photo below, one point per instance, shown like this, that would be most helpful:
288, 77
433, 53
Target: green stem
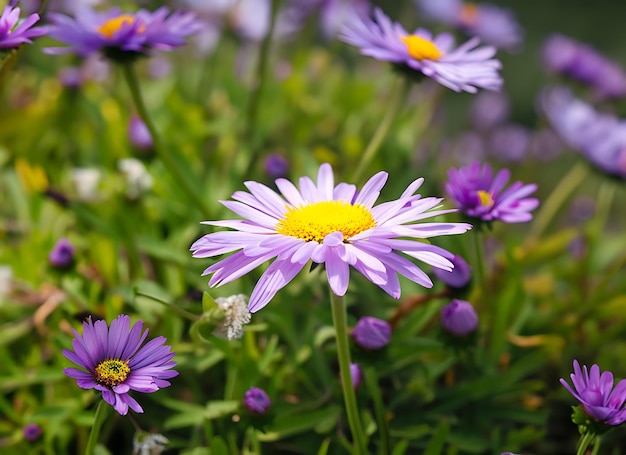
343, 354
557, 198
164, 154
371, 380
481, 276
596, 446
101, 414
186, 314
398, 94
584, 442
252, 112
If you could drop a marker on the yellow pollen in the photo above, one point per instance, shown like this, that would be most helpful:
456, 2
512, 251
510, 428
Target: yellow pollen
485, 198
113, 25
111, 372
315, 221
468, 14
420, 48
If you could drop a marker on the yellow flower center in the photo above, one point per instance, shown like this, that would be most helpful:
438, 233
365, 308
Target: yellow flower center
420, 48
114, 24
315, 221
485, 198
111, 372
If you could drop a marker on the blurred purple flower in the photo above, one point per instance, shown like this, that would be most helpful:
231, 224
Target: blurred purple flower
465, 68
492, 24
139, 134
13, 32
459, 318
121, 36
545, 144
599, 137
599, 399
489, 109
116, 363
356, 375
583, 63
31, 432
276, 166
256, 400
510, 143
62, 254
70, 77
480, 194
371, 333
458, 277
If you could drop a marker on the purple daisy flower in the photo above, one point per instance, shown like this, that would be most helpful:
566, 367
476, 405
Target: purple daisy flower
599, 399
13, 32
116, 363
492, 24
465, 68
479, 194
599, 137
332, 225
121, 35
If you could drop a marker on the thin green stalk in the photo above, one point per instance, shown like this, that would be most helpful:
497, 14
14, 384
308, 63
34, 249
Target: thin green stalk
398, 95
101, 414
252, 112
343, 354
481, 276
164, 154
557, 198
596, 446
584, 442
371, 381
186, 314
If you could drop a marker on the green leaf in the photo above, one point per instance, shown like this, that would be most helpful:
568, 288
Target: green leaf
436, 443
294, 424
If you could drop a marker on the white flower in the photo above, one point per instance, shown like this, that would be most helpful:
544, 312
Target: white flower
137, 177
86, 180
236, 315
152, 444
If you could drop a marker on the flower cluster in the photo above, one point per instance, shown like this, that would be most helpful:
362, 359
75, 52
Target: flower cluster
465, 68
331, 225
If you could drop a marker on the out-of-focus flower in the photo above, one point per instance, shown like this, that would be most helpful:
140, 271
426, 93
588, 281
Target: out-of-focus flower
159, 67
457, 278
276, 166
138, 179
510, 143
139, 134
583, 208
356, 375
599, 399
149, 444
489, 109
86, 181
62, 254
583, 63
492, 24
250, 19
372, 333
332, 14
256, 400
6, 278
32, 176
459, 318
70, 77
236, 316
332, 225
464, 68
14, 32
468, 147
121, 36
116, 363
599, 137
31, 432
545, 144
480, 194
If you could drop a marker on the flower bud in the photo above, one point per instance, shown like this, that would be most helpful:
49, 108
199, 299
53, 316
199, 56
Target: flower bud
256, 400
62, 254
371, 333
459, 318
458, 277
31, 432
356, 375
139, 134
276, 166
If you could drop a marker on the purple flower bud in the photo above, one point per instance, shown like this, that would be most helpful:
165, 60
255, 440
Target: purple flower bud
355, 375
139, 135
276, 166
256, 400
458, 277
31, 432
62, 254
371, 333
70, 77
459, 318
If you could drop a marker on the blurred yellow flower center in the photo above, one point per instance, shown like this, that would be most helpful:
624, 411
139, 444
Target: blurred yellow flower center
468, 14
485, 198
111, 372
420, 48
113, 25
315, 221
